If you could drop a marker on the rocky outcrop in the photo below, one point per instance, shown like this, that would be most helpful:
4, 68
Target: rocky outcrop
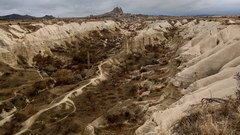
153, 34
210, 59
15, 40
116, 12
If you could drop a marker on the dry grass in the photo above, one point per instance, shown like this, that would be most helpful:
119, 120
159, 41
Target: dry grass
222, 119
212, 118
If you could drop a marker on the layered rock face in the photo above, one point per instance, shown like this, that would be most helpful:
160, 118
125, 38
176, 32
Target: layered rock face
210, 59
16, 41
153, 34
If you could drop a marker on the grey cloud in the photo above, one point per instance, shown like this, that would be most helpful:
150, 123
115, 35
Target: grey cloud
74, 8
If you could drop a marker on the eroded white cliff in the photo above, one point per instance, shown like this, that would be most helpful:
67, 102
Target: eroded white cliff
15, 40
210, 61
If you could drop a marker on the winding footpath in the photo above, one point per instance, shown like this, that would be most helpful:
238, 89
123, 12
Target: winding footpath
67, 99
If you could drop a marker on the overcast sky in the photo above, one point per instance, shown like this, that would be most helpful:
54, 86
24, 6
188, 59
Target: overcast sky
78, 8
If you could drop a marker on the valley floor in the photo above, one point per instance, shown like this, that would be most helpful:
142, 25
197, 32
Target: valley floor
125, 77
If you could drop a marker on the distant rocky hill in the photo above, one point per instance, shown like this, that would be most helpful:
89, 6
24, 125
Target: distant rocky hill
48, 17
17, 17
116, 12
24, 17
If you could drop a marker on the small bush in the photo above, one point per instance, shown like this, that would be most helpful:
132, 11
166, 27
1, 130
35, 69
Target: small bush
66, 77
143, 70
113, 118
81, 56
133, 91
19, 117
212, 119
39, 85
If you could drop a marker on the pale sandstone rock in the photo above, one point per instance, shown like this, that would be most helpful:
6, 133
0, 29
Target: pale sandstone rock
212, 59
17, 41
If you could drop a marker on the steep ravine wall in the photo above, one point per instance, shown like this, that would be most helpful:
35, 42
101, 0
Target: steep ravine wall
152, 34
210, 59
16, 41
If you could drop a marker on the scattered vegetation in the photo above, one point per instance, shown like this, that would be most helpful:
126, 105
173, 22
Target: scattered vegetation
12, 79
213, 117
81, 56
48, 64
114, 118
43, 84
19, 102
66, 77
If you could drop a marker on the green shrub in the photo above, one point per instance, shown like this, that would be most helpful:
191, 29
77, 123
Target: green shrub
81, 56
